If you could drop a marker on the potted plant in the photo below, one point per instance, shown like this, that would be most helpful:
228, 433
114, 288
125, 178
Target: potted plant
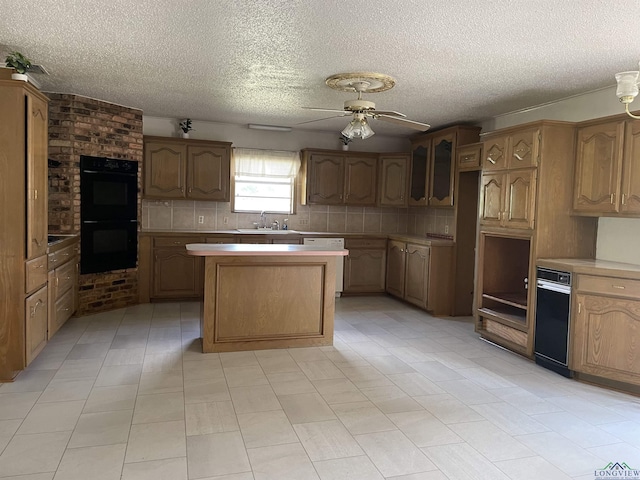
20, 64
185, 126
345, 141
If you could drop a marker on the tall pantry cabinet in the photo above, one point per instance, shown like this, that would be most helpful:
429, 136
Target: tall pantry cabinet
23, 225
525, 214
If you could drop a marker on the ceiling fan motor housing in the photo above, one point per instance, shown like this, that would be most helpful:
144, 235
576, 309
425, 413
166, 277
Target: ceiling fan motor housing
359, 106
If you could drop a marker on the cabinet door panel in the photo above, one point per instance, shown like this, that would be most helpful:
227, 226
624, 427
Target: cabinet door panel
416, 286
492, 198
419, 172
364, 271
524, 148
37, 172
36, 323
442, 171
177, 274
598, 160
630, 201
520, 202
395, 268
325, 182
605, 341
494, 157
393, 181
208, 173
360, 181
165, 167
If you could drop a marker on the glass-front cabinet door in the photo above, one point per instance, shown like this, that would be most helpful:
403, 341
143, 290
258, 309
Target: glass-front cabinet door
442, 172
418, 184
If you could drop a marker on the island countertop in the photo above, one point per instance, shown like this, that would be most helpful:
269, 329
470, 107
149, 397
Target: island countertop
264, 250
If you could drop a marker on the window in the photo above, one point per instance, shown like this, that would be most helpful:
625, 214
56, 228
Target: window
264, 180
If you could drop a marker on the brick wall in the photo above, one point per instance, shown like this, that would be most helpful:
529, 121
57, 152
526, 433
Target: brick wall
85, 126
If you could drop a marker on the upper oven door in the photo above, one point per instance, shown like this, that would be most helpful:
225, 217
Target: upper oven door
108, 195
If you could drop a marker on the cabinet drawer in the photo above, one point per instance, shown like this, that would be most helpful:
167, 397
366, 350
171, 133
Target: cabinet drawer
365, 243
469, 157
64, 277
61, 256
62, 312
619, 287
176, 241
35, 324
36, 273
221, 239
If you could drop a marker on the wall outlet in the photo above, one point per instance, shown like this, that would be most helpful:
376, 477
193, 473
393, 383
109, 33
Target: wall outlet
446, 229
304, 221
225, 220
201, 219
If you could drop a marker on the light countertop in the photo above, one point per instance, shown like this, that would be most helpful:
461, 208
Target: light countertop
590, 266
265, 250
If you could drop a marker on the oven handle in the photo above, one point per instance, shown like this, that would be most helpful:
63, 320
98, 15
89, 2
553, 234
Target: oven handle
554, 287
106, 221
110, 173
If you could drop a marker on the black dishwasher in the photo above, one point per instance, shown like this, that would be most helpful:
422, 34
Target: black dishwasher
553, 311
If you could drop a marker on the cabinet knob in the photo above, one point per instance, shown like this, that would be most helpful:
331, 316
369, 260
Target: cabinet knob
177, 243
401, 197
190, 189
182, 189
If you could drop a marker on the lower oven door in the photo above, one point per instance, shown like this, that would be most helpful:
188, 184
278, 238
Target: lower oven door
553, 304
108, 245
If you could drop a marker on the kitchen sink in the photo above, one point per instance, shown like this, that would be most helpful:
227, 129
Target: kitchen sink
266, 231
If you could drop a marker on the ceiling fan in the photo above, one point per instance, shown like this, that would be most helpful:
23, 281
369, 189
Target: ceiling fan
364, 82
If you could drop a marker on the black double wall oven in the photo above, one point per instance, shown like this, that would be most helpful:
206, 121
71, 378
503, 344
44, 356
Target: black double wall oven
108, 214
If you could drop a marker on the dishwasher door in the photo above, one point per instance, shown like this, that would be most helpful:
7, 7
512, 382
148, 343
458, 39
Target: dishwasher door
331, 244
553, 311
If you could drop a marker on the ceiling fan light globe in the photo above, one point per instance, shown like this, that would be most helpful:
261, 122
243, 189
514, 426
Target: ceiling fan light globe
627, 85
349, 130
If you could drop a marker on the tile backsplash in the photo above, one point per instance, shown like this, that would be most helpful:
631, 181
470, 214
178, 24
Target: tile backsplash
184, 215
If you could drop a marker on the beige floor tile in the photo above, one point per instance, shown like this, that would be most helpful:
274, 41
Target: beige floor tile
577, 430
37, 453
216, 454
278, 363
100, 336
98, 463
262, 429
29, 381
162, 362
156, 441
468, 392
35, 476
448, 409
169, 469
587, 410
52, 417
461, 462
490, 441
307, 354
282, 462
327, 440
366, 377
117, 397
125, 356
436, 371
245, 376
290, 383
423, 429
214, 417
119, 375
415, 384
88, 351
353, 468
320, 370
509, 418
393, 454
238, 359
525, 401
16, 405
391, 399
66, 390
254, 399
306, 407
121, 341
531, 468
9, 427
162, 407
161, 382
206, 390
338, 390
433, 475
86, 368
103, 428
390, 364
362, 417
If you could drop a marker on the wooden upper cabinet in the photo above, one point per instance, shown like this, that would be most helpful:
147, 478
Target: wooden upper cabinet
492, 198
165, 167
208, 173
508, 198
524, 149
37, 176
443, 167
418, 186
360, 180
495, 153
183, 168
325, 179
598, 167
469, 157
393, 180
630, 197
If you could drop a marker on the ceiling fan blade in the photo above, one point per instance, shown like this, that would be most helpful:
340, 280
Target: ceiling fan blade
390, 113
404, 122
334, 110
320, 119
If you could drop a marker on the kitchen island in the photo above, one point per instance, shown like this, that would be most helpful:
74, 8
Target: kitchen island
260, 296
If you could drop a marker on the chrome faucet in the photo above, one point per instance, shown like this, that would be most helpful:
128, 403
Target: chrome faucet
275, 225
263, 220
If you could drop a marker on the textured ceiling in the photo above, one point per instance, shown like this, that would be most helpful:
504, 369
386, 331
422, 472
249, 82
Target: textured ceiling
260, 61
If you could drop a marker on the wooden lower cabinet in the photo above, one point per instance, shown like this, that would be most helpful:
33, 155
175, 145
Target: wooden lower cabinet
421, 275
63, 283
364, 267
176, 274
36, 324
605, 337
